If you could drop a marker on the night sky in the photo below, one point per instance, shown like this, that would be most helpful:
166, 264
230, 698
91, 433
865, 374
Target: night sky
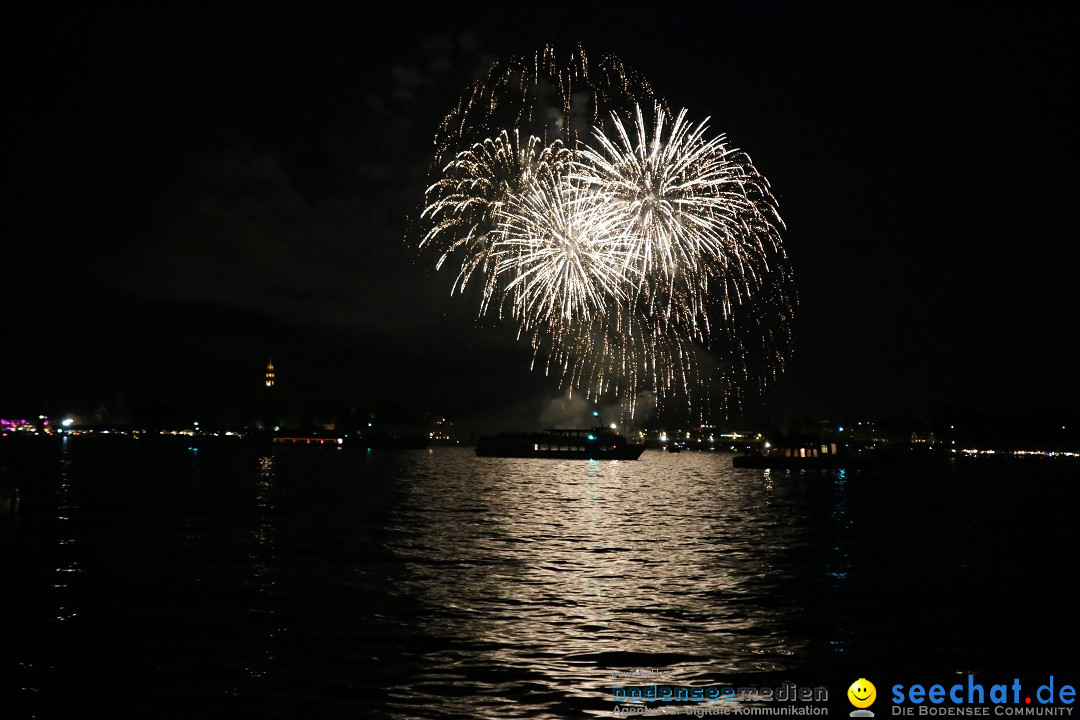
194, 190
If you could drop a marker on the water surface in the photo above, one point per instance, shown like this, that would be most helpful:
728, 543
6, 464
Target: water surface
163, 581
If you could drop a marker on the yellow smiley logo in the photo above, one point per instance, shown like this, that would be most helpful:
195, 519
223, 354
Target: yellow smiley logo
862, 693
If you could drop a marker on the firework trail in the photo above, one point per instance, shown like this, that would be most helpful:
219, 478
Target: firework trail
634, 250
542, 97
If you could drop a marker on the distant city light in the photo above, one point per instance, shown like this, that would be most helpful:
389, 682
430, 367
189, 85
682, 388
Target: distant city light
66, 422
612, 426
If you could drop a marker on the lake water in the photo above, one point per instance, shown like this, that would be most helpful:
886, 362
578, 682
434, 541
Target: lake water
158, 581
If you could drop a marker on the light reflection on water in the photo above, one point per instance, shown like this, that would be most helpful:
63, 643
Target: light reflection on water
438, 584
562, 570
263, 557
68, 569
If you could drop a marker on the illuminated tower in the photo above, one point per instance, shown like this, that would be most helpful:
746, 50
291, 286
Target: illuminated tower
270, 374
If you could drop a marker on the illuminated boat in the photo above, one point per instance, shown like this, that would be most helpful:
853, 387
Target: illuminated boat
800, 454
576, 444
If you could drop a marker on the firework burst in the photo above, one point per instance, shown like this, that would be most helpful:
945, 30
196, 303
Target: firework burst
464, 205
634, 250
694, 208
562, 261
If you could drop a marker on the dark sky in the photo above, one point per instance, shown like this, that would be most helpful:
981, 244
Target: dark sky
195, 189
